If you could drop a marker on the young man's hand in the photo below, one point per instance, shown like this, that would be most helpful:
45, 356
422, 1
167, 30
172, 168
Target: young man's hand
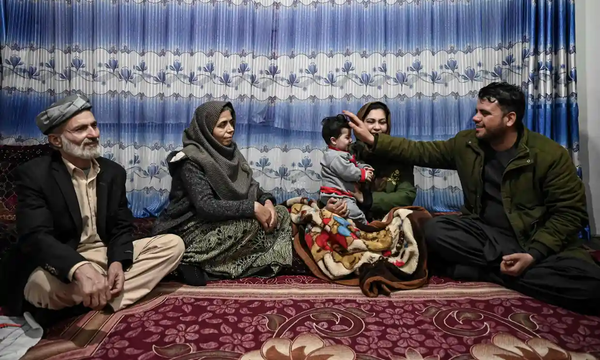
515, 264
360, 129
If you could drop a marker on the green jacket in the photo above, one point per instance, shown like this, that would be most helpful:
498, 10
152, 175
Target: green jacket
544, 199
393, 184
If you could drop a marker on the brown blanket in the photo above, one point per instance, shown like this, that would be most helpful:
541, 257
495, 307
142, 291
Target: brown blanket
385, 256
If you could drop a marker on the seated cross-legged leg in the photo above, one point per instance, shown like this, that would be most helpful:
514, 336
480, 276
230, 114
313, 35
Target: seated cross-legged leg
562, 280
153, 259
465, 248
46, 291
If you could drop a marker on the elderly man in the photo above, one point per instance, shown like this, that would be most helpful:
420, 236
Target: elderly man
75, 230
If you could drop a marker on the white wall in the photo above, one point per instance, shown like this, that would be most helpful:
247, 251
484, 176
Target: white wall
588, 87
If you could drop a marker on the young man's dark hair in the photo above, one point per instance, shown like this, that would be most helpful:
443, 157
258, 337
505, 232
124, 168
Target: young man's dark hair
332, 127
509, 97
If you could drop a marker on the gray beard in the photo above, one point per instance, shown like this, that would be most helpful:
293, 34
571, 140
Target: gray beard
80, 151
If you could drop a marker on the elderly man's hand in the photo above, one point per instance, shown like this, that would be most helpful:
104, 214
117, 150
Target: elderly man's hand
93, 287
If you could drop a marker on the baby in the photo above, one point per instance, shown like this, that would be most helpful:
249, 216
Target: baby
339, 170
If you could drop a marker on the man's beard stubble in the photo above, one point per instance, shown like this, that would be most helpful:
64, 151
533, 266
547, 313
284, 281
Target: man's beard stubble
82, 151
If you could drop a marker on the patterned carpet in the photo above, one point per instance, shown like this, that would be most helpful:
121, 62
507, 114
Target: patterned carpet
304, 318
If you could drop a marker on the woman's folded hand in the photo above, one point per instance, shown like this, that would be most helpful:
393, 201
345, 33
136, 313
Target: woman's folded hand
273, 223
263, 215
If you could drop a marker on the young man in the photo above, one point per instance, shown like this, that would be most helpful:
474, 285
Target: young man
75, 230
523, 204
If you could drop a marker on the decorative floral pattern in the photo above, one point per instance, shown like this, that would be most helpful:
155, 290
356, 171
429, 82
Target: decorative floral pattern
113, 347
284, 74
458, 321
181, 333
304, 347
506, 346
265, 79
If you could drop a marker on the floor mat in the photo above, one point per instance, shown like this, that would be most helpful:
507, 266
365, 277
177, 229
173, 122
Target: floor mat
297, 317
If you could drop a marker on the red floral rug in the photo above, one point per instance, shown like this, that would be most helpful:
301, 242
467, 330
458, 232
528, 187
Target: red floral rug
304, 318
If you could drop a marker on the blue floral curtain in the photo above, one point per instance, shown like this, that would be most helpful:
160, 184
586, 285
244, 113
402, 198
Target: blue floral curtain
2, 23
147, 64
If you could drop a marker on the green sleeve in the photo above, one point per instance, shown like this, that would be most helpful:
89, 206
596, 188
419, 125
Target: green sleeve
564, 197
403, 194
432, 154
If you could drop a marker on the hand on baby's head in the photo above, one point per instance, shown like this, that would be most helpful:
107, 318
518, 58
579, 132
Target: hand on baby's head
336, 132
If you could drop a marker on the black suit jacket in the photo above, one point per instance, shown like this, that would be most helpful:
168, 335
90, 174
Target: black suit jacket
49, 221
